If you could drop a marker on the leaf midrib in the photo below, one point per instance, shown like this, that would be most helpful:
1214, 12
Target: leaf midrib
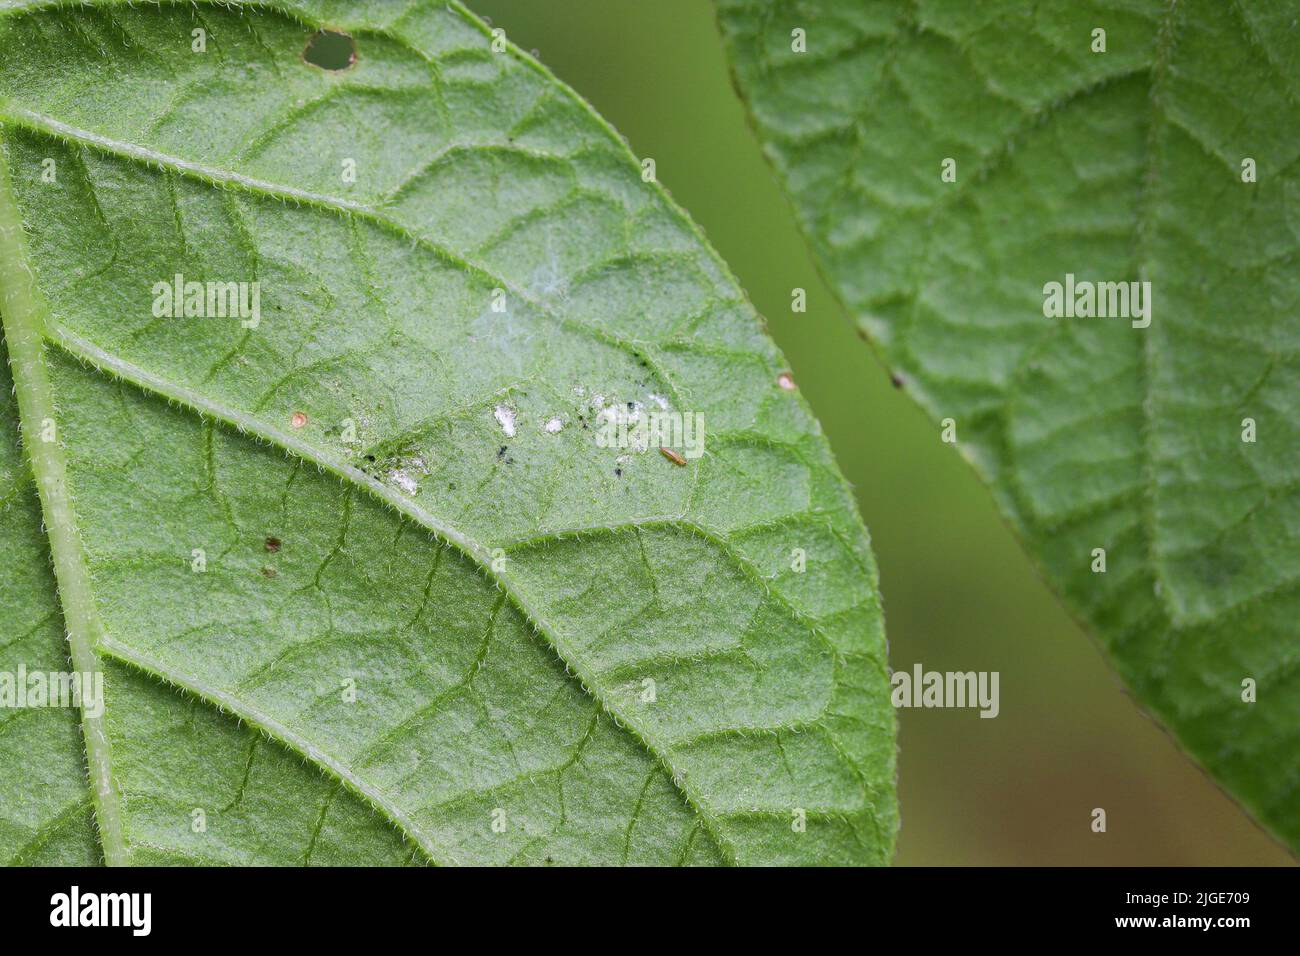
23, 318
1166, 40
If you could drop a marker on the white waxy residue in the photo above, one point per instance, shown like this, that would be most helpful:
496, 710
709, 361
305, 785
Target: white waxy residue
403, 481
553, 425
505, 416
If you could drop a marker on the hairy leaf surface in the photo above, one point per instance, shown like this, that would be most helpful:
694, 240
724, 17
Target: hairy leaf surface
363, 582
1095, 433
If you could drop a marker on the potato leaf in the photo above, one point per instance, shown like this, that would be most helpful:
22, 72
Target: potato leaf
343, 339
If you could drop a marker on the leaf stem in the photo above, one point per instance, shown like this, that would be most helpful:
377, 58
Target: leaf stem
23, 312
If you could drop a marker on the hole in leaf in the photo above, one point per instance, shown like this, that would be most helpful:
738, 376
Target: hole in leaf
330, 50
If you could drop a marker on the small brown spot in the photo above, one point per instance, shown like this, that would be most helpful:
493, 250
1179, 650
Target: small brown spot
273, 545
896, 379
671, 455
298, 419
786, 381
269, 572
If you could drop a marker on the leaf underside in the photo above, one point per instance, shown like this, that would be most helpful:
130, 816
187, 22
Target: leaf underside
391, 486
1122, 165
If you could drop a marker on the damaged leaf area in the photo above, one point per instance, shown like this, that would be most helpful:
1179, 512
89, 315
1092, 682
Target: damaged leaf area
1148, 460
316, 372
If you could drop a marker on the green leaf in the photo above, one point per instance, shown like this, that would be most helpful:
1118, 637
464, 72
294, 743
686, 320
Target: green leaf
1094, 433
364, 584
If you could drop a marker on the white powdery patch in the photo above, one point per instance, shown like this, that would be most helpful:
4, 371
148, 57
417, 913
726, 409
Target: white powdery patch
553, 425
621, 418
660, 401
505, 416
404, 481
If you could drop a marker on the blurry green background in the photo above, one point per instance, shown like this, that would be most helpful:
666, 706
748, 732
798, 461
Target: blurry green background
959, 592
